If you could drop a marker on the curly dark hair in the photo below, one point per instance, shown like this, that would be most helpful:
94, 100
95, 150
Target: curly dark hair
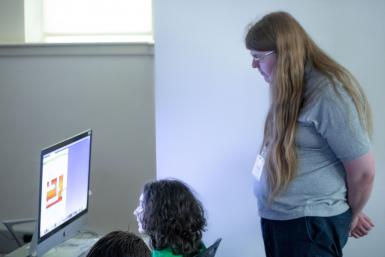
173, 217
119, 244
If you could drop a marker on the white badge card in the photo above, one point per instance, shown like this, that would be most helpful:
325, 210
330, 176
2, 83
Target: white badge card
258, 167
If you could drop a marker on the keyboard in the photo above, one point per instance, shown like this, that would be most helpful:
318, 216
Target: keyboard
74, 247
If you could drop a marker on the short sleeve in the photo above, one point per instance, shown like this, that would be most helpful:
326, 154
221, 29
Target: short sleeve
339, 124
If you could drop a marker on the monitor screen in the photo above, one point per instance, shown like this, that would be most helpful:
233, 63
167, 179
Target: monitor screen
64, 183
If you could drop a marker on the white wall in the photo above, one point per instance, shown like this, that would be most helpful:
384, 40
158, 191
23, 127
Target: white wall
210, 104
50, 92
11, 21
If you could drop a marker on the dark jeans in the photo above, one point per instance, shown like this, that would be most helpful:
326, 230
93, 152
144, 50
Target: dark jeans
306, 236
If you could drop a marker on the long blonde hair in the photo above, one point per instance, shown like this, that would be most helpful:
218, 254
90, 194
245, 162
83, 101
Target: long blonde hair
280, 32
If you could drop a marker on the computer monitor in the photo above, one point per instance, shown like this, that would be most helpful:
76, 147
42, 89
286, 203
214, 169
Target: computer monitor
63, 192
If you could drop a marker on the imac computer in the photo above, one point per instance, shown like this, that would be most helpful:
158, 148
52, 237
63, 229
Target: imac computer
63, 192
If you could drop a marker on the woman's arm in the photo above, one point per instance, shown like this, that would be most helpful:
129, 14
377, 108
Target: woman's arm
360, 176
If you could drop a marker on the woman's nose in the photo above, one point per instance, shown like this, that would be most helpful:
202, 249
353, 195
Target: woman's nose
254, 64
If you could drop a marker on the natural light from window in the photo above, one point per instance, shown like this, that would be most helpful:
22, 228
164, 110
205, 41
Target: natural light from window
95, 21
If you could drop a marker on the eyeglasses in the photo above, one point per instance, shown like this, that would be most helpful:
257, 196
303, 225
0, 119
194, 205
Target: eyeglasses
260, 58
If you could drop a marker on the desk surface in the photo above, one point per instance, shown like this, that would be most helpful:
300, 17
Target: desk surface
76, 246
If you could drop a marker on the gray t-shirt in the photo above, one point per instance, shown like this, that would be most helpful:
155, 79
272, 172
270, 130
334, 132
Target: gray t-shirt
328, 132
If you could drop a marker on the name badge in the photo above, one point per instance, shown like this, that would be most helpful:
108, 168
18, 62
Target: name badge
258, 167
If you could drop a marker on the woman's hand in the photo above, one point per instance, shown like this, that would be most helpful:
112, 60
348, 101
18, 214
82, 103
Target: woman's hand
361, 225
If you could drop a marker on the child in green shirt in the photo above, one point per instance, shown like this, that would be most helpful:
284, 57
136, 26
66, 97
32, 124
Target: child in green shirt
172, 217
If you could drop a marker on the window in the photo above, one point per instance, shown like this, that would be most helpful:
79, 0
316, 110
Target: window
89, 21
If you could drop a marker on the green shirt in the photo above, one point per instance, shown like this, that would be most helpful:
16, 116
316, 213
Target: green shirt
168, 252
164, 253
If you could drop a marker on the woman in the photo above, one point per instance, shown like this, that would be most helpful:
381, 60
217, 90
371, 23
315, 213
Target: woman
172, 217
315, 170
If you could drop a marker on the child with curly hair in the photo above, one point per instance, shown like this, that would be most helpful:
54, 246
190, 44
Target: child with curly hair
119, 244
172, 217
